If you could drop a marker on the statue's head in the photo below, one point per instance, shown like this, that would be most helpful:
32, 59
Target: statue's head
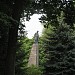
37, 31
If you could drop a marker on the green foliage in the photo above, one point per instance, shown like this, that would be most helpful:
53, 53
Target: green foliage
53, 8
42, 53
42, 50
33, 70
22, 55
60, 51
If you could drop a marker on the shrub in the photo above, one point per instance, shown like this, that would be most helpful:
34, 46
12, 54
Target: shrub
33, 70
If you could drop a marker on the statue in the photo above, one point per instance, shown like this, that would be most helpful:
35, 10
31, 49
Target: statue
36, 37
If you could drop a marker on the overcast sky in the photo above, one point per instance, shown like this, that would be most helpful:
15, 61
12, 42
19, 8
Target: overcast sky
33, 26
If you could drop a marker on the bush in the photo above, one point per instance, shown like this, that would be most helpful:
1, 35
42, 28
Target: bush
33, 70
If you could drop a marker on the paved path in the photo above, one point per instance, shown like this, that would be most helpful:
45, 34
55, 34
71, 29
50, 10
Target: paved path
33, 59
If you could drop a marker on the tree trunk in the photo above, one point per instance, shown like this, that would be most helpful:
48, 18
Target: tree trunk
12, 41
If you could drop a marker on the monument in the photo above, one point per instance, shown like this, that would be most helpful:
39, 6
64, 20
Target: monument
34, 54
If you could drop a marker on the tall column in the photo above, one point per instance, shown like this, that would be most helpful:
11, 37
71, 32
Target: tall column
34, 56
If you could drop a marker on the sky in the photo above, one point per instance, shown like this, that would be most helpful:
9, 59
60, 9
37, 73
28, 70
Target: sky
33, 26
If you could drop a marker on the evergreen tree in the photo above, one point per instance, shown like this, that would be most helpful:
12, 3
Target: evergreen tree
60, 51
42, 54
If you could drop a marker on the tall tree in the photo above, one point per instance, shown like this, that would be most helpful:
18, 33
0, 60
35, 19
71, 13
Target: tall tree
60, 49
14, 10
12, 40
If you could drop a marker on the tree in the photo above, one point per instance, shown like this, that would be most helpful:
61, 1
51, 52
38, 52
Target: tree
60, 48
52, 10
5, 9
12, 9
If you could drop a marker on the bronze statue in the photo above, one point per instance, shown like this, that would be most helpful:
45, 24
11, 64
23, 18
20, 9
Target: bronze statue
36, 37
